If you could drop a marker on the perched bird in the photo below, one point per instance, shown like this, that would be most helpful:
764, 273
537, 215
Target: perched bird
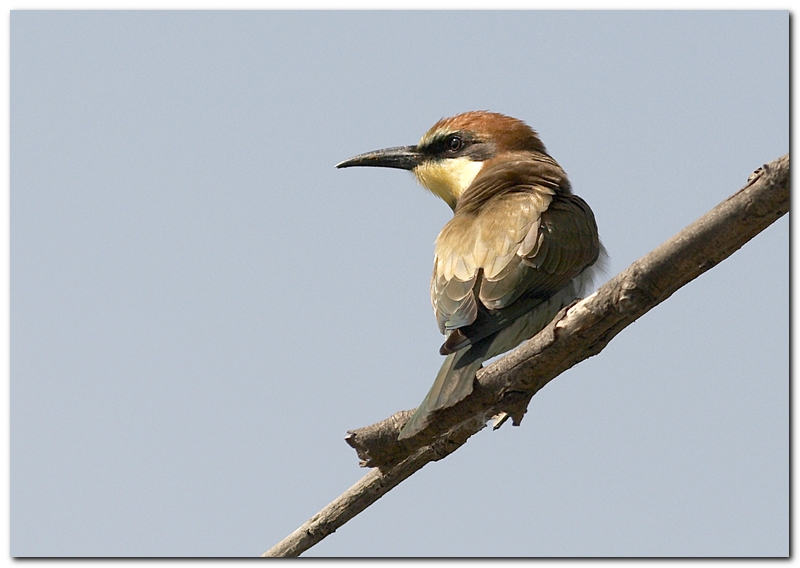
520, 245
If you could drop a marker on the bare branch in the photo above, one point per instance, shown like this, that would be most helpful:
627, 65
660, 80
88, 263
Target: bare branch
506, 386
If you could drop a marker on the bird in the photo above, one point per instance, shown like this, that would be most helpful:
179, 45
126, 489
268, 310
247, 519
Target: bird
519, 247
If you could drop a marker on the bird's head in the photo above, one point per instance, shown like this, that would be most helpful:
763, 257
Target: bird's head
452, 153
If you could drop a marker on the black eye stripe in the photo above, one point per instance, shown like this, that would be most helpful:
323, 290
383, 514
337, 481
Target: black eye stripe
447, 144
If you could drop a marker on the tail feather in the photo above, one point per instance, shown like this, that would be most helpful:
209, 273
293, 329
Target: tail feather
453, 383
454, 380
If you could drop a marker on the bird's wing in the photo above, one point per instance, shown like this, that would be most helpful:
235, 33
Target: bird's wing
558, 247
520, 249
475, 248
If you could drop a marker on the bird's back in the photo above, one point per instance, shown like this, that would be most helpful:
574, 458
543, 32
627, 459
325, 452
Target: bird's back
518, 236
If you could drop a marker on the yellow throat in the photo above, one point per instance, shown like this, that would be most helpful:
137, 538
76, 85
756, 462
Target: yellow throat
448, 178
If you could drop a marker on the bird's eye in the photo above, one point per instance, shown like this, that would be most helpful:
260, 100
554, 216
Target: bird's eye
455, 143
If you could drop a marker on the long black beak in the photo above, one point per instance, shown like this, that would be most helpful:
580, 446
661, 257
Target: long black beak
401, 157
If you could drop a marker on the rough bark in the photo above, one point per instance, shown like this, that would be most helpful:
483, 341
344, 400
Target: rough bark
504, 388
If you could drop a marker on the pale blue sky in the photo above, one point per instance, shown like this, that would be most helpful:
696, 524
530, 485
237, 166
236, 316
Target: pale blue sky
202, 306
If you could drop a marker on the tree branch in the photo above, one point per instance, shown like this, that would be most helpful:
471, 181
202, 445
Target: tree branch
505, 387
